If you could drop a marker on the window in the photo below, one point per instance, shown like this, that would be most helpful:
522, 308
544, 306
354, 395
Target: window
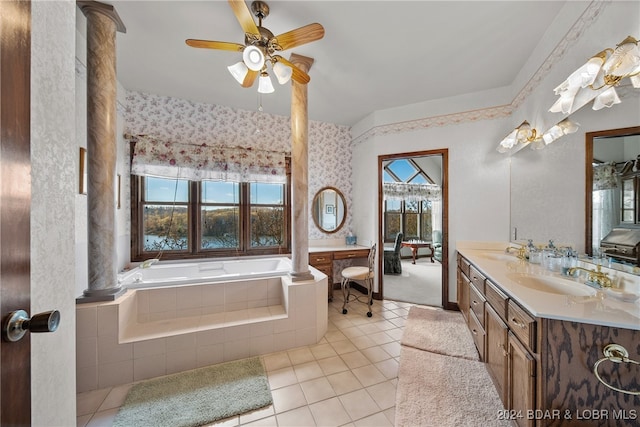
412, 217
183, 219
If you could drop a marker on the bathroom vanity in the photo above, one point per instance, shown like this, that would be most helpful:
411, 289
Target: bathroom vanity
540, 335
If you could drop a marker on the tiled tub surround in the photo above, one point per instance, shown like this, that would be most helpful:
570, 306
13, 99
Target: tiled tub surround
152, 332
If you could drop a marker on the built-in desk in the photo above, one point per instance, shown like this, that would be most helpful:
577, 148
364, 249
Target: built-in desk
322, 258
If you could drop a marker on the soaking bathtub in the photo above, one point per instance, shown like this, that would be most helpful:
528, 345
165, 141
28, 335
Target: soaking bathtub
172, 273
176, 316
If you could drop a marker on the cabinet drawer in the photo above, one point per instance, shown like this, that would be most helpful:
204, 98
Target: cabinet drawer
523, 325
476, 303
496, 298
477, 278
477, 332
357, 253
318, 258
464, 265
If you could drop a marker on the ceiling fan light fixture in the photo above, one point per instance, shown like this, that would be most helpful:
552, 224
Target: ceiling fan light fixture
253, 58
282, 72
264, 84
239, 71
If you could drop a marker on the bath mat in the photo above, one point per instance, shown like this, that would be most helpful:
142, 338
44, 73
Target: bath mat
439, 331
444, 391
197, 397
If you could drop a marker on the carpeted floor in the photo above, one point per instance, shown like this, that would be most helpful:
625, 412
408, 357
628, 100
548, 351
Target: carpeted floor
444, 391
419, 283
439, 331
197, 397
441, 381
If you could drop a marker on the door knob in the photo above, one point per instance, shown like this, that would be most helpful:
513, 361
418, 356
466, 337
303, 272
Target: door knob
17, 323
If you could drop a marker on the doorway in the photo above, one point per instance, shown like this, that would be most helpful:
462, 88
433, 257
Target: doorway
413, 227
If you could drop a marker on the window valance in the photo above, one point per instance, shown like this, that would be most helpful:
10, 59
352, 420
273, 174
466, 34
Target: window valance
156, 157
405, 191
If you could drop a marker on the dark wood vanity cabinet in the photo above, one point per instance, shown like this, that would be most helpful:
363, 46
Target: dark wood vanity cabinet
505, 336
543, 368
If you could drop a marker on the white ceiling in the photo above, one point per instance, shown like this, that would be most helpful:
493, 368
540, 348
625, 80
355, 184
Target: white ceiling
375, 54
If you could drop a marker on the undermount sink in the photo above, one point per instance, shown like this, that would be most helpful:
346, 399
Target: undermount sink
552, 285
498, 256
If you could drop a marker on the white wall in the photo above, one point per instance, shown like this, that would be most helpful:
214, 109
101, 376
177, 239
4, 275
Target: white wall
472, 125
478, 179
54, 185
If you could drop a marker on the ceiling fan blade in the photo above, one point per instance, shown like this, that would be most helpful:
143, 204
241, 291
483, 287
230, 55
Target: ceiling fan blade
298, 75
244, 17
250, 78
300, 36
211, 44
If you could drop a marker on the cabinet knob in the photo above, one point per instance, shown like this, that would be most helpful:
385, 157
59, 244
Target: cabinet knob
520, 324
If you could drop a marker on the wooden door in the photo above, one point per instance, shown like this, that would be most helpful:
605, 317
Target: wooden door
15, 205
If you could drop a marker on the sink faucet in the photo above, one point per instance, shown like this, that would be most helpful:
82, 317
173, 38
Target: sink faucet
521, 251
598, 277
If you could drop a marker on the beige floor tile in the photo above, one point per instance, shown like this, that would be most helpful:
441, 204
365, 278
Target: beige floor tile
368, 375
359, 404
396, 333
296, 418
379, 420
335, 336
375, 354
226, 422
393, 348
282, 377
344, 346
331, 365
322, 351
300, 355
329, 413
258, 414
264, 422
363, 341
287, 398
83, 420
116, 397
275, 361
308, 371
381, 338
103, 418
388, 368
89, 401
391, 415
352, 332
355, 359
384, 394
317, 390
344, 382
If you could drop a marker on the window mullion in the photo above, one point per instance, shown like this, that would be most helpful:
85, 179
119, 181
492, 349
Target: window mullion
195, 216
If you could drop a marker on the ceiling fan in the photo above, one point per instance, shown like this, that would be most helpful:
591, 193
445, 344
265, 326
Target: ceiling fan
261, 46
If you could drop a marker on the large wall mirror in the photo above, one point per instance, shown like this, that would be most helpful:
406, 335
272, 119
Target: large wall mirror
612, 190
329, 209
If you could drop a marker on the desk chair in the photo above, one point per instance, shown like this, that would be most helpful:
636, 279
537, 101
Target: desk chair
392, 262
363, 274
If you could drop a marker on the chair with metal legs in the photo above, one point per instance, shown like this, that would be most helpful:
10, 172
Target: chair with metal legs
360, 274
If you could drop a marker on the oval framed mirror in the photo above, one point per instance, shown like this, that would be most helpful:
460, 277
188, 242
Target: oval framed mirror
329, 209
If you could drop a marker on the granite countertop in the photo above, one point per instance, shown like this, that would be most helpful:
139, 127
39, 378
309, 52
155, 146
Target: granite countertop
597, 309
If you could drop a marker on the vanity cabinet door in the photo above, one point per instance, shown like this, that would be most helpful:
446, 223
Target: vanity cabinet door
497, 336
522, 381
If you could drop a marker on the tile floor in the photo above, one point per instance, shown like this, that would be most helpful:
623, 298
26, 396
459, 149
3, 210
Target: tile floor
348, 379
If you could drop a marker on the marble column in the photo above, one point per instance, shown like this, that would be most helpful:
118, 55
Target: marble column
102, 24
299, 175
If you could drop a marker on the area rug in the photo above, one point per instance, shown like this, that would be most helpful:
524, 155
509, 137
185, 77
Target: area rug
439, 331
438, 390
197, 397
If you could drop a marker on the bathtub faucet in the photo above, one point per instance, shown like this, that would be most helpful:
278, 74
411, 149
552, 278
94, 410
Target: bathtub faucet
148, 263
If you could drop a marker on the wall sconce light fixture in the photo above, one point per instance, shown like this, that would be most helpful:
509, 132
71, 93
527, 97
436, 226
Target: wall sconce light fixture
597, 78
521, 135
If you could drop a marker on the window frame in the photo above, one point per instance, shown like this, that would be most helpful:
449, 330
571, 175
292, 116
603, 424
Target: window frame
194, 206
